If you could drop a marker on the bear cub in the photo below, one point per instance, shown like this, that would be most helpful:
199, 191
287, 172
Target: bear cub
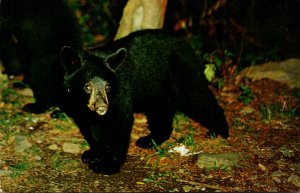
149, 71
32, 33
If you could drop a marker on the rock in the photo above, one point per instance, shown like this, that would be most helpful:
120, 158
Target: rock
38, 158
294, 179
5, 172
276, 176
2, 163
71, 148
21, 143
25, 92
219, 160
278, 173
276, 179
262, 167
53, 147
273, 189
247, 110
186, 188
285, 71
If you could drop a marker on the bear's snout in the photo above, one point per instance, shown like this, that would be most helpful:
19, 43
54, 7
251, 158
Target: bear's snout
101, 110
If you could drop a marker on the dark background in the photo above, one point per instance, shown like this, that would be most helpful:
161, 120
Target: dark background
231, 33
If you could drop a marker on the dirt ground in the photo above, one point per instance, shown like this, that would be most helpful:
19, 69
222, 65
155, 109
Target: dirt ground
39, 153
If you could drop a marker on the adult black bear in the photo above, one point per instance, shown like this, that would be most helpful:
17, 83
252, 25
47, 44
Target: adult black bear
148, 71
32, 33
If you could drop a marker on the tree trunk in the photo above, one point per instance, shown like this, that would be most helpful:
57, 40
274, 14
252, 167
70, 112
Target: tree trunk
141, 14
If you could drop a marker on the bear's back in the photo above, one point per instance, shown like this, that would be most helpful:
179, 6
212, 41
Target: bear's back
157, 63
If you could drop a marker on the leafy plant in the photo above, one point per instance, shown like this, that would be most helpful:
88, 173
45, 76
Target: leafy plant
210, 71
246, 95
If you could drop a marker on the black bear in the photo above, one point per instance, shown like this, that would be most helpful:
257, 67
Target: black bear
32, 33
148, 71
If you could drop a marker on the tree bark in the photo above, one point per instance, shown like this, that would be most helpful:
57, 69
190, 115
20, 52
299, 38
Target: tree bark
141, 14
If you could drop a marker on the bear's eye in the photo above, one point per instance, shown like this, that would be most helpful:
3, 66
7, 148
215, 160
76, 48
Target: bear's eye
107, 87
88, 88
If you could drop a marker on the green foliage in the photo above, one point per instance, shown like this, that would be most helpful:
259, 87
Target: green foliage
188, 139
9, 96
274, 111
19, 168
209, 71
213, 58
59, 162
160, 153
217, 61
60, 115
84, 144
238, 122
246, 95
221, 83
9, 118
36, 150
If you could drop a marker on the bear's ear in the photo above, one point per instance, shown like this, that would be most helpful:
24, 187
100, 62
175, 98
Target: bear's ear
70, 59
115, 59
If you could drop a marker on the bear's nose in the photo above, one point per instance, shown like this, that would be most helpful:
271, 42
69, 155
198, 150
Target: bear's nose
101, 110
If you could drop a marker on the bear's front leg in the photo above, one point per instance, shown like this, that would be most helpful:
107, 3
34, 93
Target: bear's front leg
109, 146
101, 164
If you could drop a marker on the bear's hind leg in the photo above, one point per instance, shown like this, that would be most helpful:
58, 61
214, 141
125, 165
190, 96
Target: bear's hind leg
160, 125
40, 76
202, 106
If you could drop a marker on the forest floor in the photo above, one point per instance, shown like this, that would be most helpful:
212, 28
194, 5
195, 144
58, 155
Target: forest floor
39, 153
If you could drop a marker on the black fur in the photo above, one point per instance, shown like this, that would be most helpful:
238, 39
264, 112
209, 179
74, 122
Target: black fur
32, 33
148, 71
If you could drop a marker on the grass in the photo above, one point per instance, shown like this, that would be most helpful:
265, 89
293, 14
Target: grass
158, 155
36, 150
10, 96
188, 139
19, 168
84, 144
63, 162
57, 161
275, 111
180, 123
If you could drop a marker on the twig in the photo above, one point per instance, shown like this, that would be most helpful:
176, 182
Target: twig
200, 184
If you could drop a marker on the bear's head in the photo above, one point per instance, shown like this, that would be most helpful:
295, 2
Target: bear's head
91, 77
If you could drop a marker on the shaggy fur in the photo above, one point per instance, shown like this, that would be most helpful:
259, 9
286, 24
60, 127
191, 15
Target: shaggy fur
148, 71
